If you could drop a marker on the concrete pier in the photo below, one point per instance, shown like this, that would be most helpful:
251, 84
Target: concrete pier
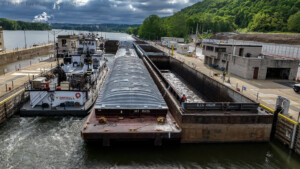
10, 56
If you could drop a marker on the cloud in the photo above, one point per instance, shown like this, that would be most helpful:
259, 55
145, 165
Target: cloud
17, 1
80, 2
41, 17
56, 4
132, 8
90, 11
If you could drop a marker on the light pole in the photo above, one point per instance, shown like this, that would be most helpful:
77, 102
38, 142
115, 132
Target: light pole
25, 39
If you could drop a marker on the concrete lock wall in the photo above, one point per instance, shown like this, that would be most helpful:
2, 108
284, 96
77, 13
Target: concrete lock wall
297, 141
12, 104
13, 56
209, 87
286, 132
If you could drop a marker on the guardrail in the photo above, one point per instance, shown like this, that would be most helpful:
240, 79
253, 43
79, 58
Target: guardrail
226, 106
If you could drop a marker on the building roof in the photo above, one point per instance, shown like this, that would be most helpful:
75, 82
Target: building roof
129, 86
231, 44
67, 36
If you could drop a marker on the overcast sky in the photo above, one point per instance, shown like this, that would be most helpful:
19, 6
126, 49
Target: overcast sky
89, 11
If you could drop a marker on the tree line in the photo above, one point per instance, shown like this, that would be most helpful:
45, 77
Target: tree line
224, 16
20, 25
93, 27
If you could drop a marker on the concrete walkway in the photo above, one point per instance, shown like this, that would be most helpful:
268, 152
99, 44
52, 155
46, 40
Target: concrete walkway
16, 79
264, 91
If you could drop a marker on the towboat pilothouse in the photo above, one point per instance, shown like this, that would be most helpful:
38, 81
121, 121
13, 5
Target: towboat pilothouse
72, 87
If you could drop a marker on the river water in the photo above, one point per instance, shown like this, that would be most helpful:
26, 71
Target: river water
16, 39
56, 143
47, 143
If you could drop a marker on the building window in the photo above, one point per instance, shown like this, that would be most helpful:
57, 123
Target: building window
64, 42
220, 49
209, 48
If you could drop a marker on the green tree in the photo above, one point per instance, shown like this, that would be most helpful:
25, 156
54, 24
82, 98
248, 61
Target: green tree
264, 22
20, 25
132, 30
151, 28
294, 22
177, 26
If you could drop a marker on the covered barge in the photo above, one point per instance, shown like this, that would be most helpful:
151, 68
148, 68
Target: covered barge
130, 106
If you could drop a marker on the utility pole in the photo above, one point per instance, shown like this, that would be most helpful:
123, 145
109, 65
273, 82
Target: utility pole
25, 39
54, 34
196, 40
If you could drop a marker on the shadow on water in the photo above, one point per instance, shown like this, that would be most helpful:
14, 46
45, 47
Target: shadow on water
256, 155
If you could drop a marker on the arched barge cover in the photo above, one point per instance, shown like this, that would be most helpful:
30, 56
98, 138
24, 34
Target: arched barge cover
130, 90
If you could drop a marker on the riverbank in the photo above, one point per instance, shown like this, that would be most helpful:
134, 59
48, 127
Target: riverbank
10, 56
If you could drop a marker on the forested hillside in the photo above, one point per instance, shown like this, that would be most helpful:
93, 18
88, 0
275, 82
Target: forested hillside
20, 25
229, 15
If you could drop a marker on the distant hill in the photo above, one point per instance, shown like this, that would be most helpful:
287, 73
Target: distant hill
20, 25
8, 24
93, 27
255, 15
226, 16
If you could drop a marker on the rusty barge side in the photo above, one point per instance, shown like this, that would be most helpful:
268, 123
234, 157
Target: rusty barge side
229, 116
130, 106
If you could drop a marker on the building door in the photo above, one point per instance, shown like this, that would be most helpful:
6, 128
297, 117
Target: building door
255, 73
241, 52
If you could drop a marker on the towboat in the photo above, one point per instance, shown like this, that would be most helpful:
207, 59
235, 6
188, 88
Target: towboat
72, 87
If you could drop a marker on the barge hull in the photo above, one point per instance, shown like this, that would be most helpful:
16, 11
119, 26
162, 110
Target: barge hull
133, 129
53, 112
